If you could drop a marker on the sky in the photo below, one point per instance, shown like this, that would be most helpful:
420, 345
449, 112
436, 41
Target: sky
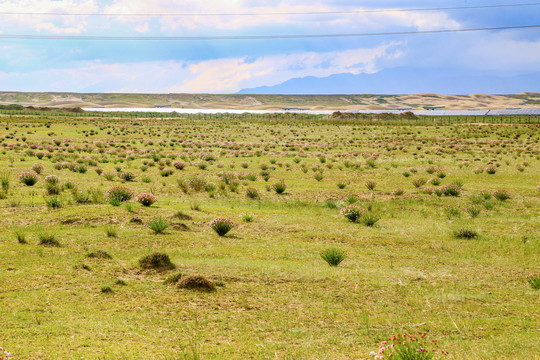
231, 66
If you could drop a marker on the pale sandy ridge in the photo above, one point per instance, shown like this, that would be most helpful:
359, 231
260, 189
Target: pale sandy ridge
274, 102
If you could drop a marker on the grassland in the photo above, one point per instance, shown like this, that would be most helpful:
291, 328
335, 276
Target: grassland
275, 297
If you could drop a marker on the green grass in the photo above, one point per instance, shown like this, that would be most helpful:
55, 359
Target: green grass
279, 299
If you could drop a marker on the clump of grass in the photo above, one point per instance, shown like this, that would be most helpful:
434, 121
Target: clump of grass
53, 202
156, 261
341, 185
106, 289
247, 217
20, 236
98, 254
279, 187
473, 211
47, 238
465, 233
330, 204
534, 281
173, 278
501, 195
182, 216
158, 225
371, 185
4, 181
120, 282
111, 231
369, 219
333, 256
252, 193
196, 282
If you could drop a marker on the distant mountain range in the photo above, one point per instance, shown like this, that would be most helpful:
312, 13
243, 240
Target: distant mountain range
407, 81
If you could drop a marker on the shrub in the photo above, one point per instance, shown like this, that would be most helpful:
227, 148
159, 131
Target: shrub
279, 187
52, 180
119, 194
196, 282
221, 226
179, 165
501, 195
318, 177
109, 176
451, 190
166, 172
369, 219
252, 193
333, 256
465, 233
352, 212
127, 176
38, 168
409, 346
435, 181
156, 261
197, 183
490, 170
398, 192
29, 178
419, 182
158, 225
146, 199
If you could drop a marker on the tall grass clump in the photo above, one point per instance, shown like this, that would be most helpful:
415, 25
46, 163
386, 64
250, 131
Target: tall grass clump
20, 236
4, 181
47, 238
534, 281
158, 225
333, 256
465, 233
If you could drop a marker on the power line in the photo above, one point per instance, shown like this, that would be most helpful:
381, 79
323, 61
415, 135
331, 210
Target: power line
278, 13
249, 37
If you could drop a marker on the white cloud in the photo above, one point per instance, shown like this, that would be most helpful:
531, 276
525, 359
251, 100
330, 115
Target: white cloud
216, 76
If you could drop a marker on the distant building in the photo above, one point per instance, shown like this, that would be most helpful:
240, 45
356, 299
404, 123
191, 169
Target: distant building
433, 107
163, 106
293, 109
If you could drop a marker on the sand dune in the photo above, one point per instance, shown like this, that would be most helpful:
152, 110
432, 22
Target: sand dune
272, 102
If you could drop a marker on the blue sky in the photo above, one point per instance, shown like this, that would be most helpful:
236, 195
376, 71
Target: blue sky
213, 66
